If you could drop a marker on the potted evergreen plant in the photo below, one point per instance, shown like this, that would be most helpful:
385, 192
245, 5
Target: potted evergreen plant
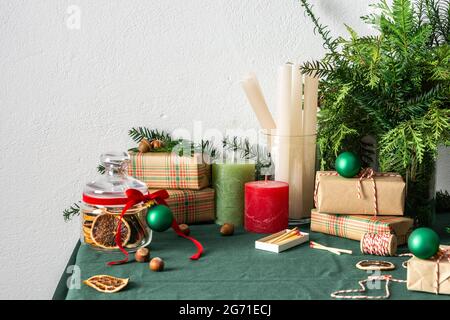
393, 87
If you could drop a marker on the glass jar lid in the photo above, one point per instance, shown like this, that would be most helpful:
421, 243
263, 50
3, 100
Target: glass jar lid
115, 181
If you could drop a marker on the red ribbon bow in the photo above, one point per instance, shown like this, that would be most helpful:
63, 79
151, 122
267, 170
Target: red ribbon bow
134, 197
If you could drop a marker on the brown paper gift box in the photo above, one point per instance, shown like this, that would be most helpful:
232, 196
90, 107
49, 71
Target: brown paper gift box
421, 274
191, 206
336, 194
170, 171
354, 226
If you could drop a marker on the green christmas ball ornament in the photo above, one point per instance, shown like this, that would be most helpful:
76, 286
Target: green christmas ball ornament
159, 218
423, 243
348, 164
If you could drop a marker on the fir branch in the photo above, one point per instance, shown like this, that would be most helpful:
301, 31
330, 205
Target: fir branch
318, 68
101, 169
72, 211
139, 133
328, 42
207, 147
248, 151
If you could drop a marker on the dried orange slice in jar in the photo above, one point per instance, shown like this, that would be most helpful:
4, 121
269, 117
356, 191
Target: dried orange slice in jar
106, 284
104, 229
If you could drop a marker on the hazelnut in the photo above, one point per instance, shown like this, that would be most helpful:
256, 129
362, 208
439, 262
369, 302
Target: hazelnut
144, 146
157, 264
227, 229
156, 144
185, 229
142, 255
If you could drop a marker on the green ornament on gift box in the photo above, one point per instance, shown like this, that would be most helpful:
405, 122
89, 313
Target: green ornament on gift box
159, 218
348, 164
423, 243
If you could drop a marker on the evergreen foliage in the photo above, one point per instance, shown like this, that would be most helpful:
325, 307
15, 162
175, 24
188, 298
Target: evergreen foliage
394, 86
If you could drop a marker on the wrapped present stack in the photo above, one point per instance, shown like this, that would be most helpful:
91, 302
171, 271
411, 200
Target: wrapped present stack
367, 202
187, 179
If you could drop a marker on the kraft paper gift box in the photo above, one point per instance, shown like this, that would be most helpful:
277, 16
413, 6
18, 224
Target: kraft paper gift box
430, 275
336, 194
354, 226
170, 171
191, 206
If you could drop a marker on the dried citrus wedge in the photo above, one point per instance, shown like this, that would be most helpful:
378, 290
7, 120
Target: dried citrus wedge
106, 284
104, 229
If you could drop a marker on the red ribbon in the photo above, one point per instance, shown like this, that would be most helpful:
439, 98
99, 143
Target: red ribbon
134, 197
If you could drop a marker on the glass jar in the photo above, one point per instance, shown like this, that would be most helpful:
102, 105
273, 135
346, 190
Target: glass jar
294, 158
99, 222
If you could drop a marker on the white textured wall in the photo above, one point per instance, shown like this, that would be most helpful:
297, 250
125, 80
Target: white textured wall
67, 95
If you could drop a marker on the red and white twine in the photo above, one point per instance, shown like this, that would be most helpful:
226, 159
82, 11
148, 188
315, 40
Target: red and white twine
341, 293
377, 244
442, 254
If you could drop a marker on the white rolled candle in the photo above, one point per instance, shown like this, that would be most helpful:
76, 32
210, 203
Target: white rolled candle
284, 99
310, 113
297, 107
296, 152
258, 103
283, 143
309, 148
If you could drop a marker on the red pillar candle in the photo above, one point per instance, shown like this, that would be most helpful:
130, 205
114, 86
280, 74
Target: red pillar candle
266, 206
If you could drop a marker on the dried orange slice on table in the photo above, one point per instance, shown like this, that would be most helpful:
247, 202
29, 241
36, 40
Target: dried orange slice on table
106, 284
104, 229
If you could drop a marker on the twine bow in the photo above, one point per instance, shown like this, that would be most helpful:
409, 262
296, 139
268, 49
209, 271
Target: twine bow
368, 173
442, 254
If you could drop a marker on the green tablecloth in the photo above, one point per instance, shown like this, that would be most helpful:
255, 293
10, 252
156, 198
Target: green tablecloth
233, 269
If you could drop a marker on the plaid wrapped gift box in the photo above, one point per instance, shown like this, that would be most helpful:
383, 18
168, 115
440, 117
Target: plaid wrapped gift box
170, 171
354, 226
191, 206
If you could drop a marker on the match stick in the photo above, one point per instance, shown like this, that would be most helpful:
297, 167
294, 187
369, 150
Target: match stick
337, 251
283, 236
311, 245
290, 238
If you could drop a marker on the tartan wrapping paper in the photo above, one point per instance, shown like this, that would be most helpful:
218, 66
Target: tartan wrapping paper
191, 206
170, 171
354, 226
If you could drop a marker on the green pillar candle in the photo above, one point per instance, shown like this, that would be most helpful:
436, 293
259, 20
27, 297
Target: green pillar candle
228, 182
